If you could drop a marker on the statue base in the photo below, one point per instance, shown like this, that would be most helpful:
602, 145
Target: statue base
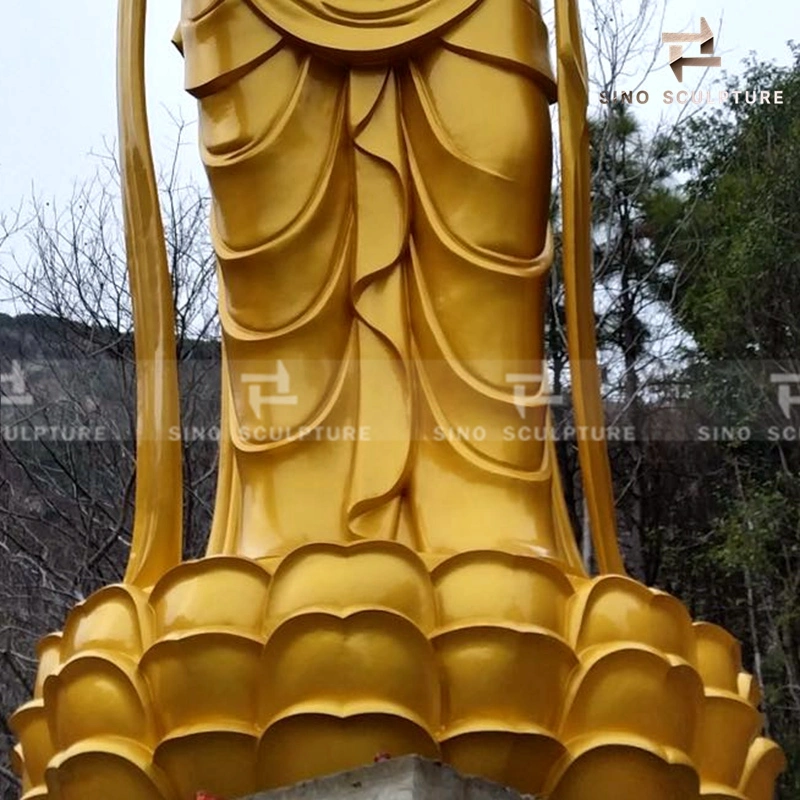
405, 778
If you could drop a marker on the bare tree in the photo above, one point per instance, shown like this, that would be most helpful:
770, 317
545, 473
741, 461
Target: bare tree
67, 451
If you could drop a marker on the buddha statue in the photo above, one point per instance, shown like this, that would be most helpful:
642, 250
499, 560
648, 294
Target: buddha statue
391, 566
381, 181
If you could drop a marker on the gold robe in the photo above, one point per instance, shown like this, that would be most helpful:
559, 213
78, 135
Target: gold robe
381, 176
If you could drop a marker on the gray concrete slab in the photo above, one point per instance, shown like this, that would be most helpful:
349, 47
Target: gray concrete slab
405, 778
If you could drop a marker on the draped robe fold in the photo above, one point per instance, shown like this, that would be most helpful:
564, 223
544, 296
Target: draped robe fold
381, 178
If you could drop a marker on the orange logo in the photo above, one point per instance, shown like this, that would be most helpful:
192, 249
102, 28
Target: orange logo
676, 58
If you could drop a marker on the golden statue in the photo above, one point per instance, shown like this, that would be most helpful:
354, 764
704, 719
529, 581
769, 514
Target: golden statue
391, 565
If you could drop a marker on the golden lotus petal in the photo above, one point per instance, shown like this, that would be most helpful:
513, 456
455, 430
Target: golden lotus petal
501, 679
96, 695
514, 589
203, 676
636, 690
303, 746
18, 765
765, 761
16, 758
115, 620
719, 657
222, 592
616, 609
29, 724
521, 760
728, 726
49, 652
624, 768
749, 688
37, 793
339, 578
326, 663
219, 759
99, 769
714, 791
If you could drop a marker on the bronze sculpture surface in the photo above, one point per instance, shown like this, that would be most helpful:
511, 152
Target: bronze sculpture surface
391, 566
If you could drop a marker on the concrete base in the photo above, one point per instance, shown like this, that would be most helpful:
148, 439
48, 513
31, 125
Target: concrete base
406, 778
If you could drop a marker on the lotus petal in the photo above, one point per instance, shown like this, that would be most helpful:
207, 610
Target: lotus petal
305, 746
521, 760
719, 657
218, 759
49, 652
18, 765
113, 620
499, 679
514, 589
222, 592
205, 676
377, 660
29, 724
715, 791
624, 771
93, 696
99, 769
342, 578
616, 609
765, 761
37, 793
638, 691
728, 727
749, 689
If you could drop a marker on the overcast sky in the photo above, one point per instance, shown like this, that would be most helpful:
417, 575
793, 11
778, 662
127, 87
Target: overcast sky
57, 82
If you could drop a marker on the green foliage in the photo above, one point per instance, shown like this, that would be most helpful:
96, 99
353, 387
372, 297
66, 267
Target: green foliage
740, 290
737, 259
633, 200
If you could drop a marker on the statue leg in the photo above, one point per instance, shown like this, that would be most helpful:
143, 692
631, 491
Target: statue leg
275, 146
479, 144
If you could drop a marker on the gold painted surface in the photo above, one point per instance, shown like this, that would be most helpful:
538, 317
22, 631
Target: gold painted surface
156, 541
232, 679
381, 181
362, 218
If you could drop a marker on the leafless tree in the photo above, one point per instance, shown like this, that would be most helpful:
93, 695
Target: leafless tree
67, 468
